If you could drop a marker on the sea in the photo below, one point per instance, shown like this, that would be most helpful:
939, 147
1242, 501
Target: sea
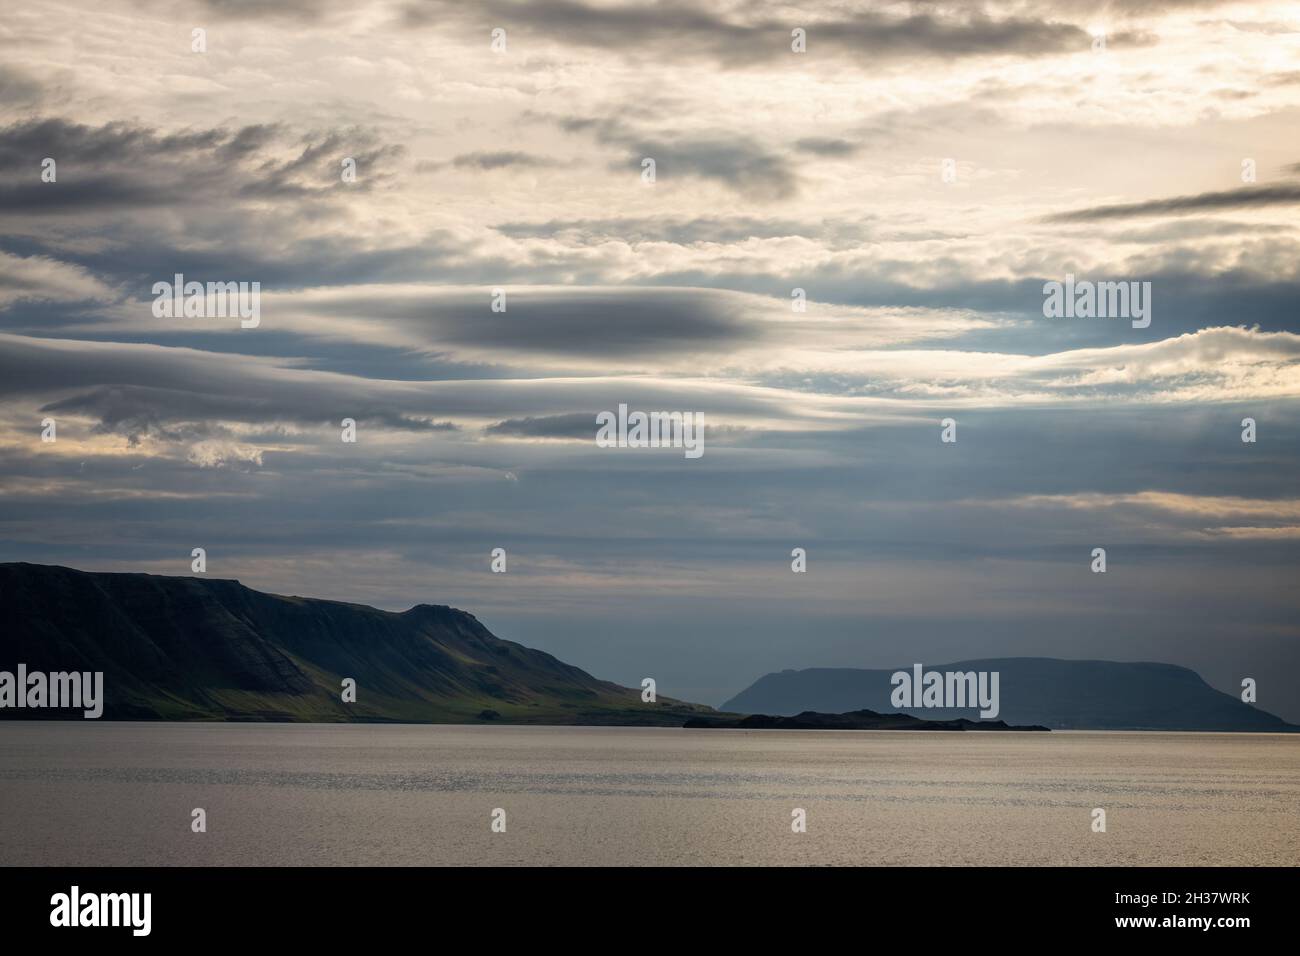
91, 793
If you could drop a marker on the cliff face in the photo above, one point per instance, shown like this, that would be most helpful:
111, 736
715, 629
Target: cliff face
177, 648
1059, 694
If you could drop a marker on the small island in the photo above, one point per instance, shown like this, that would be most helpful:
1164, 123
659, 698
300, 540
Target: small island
853, 720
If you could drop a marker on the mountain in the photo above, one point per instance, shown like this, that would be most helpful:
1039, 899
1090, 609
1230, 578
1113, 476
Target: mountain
854, 720
192, 648
1060, 694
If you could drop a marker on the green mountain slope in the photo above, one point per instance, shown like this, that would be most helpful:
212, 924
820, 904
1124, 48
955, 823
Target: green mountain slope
188, 648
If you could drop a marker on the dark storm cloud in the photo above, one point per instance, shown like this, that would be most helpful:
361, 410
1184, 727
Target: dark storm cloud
680, 30
1248, 197
243, 249
147, 390
575, 425
739, 163
121, 165
137, 413
211, 203
610, 322
250, 139
180, 416
99, 167
140, 390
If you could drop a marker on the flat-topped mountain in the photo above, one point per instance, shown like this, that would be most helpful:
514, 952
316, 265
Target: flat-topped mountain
191, 648
1059, 694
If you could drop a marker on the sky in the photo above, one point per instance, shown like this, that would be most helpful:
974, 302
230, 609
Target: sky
919, 170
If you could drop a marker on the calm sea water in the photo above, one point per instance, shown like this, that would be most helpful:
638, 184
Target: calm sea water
103, 793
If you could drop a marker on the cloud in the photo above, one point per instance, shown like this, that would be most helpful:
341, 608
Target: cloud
120, 165
501, 160
827, 146
776, 170
740, 163
174, 395
296, 11
42, 279
746, 36
591, 329
1248, 197
18, 89
223, 454
684, 230
1226, 516
575, 425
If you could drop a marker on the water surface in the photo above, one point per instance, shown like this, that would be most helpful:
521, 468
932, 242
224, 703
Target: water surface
119, 793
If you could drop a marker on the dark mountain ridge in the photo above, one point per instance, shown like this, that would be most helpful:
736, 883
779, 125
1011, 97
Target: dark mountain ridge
1059, 694
194, 648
